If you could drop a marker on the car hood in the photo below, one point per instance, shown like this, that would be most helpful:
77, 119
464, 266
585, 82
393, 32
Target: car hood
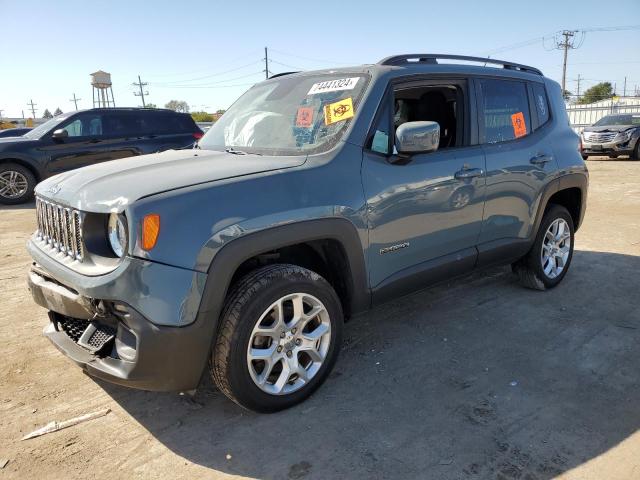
109, 186
7, 140
608, 128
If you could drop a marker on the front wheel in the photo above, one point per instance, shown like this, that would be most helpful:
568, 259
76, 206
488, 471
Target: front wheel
636, 151
547, 262
279, 336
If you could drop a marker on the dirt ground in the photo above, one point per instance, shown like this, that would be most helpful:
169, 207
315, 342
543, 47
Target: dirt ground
474, 379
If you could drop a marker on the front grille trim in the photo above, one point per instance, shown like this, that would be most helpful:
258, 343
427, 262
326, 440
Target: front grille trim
600, 137
60, 228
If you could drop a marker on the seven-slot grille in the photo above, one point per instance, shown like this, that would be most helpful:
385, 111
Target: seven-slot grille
59, 228
600, 137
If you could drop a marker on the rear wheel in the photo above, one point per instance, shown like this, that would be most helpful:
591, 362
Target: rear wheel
585, 157
548, 261
279, 338
16, 184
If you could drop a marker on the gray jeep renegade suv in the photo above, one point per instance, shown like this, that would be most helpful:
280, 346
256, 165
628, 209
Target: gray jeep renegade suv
315, 197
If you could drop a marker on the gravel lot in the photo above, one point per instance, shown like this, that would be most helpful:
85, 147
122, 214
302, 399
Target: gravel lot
474, 379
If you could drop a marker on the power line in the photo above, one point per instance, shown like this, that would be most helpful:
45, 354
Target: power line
217, 74
211, 84
553, 35
142, 93
328, 62
253, 53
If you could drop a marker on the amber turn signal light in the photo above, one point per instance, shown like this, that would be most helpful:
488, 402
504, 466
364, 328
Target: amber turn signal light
150, 230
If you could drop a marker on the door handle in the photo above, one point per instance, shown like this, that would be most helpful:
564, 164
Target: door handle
541, 159
94, 140
468, 173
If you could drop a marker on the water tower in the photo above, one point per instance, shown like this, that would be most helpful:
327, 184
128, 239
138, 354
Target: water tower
101, 83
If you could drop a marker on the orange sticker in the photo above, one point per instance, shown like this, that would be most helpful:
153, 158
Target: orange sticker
304, 117
519, 127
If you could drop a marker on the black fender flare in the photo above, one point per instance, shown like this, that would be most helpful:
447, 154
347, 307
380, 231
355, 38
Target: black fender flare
234, 253
564, 182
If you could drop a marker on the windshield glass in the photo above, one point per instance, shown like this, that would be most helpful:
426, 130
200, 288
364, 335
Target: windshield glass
290, 115
40, 130
618, 120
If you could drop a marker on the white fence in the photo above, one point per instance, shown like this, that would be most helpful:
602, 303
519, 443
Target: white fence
581, 116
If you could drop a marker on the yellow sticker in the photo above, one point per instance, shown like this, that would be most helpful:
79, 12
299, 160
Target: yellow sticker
338, 111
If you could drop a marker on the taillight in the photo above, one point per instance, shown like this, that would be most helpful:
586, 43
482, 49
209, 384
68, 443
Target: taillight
198, 135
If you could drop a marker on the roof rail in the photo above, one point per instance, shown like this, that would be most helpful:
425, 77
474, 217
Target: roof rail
432, 58
282, 74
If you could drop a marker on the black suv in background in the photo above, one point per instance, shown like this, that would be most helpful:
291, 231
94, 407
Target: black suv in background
86, 137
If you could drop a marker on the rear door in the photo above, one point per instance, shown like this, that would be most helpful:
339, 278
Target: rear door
123, 134
519, 161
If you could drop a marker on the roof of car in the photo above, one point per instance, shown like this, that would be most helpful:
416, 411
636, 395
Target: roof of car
127, 109
437, 63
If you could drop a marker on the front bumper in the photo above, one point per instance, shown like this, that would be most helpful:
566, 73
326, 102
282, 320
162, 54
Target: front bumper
610, 148
129, 348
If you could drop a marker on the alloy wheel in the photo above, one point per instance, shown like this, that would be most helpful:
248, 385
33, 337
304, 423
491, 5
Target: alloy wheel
289, 343
556, 247
13, 184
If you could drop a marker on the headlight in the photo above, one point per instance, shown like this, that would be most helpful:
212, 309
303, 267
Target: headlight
117, 232
625, 135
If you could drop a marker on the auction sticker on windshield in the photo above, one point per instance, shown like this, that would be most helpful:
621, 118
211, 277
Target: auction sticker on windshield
338, 111
334, 85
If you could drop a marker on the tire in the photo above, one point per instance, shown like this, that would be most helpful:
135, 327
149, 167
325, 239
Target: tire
636, 151
585, 157
252, 302
16, 184
531, 268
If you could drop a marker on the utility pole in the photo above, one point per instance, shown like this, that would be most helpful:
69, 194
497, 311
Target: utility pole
624, 90
1, 110
142, 93
75, 100
566, 44
266, 63
578, 89
33, 110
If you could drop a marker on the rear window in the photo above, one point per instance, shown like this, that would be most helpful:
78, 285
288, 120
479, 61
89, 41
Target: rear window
505, 110
164, 123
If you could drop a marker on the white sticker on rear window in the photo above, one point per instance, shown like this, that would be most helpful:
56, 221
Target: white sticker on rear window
334, 85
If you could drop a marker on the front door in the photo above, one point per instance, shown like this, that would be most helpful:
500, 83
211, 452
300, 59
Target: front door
83, 146
425, 212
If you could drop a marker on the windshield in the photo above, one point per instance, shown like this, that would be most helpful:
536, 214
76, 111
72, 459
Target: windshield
40, 130
290, 115
618, 120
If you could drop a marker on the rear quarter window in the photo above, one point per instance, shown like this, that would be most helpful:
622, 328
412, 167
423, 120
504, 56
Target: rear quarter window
504, 112
541, 102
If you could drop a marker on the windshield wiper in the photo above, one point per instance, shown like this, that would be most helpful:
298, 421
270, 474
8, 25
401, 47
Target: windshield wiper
234, 151
238, 152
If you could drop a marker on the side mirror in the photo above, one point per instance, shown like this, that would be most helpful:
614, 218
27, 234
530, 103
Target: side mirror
60, 133
417, 137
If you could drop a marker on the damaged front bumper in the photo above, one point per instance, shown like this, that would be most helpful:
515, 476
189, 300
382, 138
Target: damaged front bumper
609, 148
111, 338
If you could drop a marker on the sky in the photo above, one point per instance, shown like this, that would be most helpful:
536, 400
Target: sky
209, 53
